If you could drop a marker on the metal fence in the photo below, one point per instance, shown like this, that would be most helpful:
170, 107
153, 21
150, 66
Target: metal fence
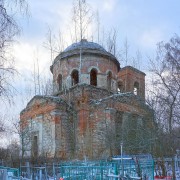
91, 170
7, 173
126, 167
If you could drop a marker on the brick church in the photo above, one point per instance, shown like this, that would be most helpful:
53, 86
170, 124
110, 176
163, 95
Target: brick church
94, 107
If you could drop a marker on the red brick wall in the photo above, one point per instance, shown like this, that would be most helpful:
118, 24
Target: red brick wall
129, 76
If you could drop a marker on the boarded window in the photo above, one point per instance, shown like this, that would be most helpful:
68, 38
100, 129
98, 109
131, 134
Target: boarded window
75, 77
93, 77
136, 88
109, 80
59, 82
35, 146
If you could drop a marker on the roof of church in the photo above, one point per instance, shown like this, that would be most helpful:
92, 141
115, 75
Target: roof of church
86, 47
84, 44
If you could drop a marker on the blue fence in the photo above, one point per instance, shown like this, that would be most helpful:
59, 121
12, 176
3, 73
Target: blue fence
7, 173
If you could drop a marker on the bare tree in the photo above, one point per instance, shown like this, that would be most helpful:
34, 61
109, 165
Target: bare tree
138, 134
111, 42
46, 86
81, 17
98, 26
165, 92
2, 127
166, 69
136, 61
9, 28
55, 43
24, 132
125, 54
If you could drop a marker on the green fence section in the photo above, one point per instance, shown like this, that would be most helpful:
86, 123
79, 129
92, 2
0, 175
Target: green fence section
131, 168
102, 170
84, 172
9, 173
147, 169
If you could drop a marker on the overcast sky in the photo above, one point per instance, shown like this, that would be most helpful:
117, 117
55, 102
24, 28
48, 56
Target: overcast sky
143, 22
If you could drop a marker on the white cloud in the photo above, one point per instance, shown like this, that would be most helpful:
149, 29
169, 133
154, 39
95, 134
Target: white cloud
23, 55
109, 5
26, 53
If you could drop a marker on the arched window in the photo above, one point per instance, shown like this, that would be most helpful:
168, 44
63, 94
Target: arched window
109, 80
93, 77
136, 88
59, 82
120, 86
75, 77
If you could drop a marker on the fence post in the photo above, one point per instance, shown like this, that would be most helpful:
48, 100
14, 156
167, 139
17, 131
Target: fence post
45, 172
28, 170
54, 172
153, 166
116, 170
40, 174
101, 172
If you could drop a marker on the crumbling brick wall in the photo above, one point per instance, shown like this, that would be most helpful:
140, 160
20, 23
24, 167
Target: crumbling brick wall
103, 65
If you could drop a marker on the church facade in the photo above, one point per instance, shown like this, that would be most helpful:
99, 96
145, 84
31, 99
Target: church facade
94, 107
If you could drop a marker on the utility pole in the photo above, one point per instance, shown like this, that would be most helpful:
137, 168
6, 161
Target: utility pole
80, 61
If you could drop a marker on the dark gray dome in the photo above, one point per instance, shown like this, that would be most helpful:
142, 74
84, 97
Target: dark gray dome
86, 48
84, 44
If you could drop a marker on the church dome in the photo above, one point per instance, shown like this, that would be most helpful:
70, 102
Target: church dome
84, 44
86, 47
85, 62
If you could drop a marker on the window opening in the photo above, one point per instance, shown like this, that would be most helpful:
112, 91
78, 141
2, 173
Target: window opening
136, 88
93, 77
120, 87
75, 77
59, 81
109, 79
35, 146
